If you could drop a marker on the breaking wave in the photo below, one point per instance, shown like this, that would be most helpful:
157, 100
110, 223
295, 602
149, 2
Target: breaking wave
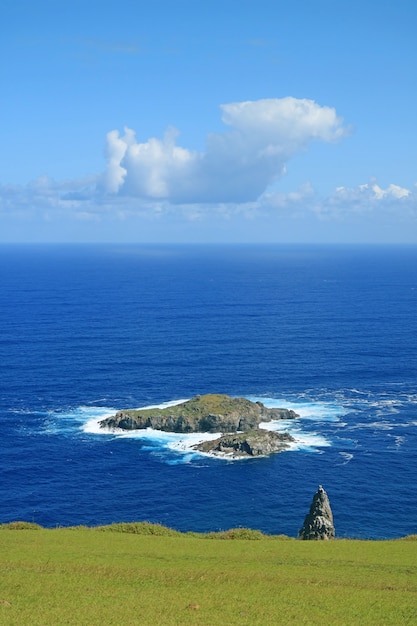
305, 429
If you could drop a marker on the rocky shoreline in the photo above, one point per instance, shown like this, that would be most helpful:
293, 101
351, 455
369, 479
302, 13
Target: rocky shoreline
237, 418
254, 443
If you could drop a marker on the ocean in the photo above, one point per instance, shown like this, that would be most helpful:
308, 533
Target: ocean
330, 331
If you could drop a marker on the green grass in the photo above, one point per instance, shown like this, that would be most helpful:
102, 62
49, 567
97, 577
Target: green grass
199, 405
145, 574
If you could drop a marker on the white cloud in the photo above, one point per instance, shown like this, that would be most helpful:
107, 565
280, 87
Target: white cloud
294, 200
370, 195
237, 165
46, 199
147, 170
392, 191
288, 123
160, 182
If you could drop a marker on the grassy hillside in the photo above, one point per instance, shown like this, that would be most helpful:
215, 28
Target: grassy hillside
125, 577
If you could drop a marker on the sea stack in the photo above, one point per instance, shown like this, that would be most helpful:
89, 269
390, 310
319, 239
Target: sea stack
318, 524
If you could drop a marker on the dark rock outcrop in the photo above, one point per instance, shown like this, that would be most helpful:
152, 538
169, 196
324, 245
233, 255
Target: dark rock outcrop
318, 524
209, 413
257, 442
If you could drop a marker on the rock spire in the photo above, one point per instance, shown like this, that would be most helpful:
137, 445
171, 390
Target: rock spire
318, 523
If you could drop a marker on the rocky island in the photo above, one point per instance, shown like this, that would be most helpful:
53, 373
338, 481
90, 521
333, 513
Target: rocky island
213, 413
257, 442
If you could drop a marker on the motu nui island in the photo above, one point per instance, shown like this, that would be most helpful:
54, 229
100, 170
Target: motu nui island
238, 419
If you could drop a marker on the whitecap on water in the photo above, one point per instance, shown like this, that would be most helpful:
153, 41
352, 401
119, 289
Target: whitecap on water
398, 440
374, 425
308, 410
346, 456
85, 418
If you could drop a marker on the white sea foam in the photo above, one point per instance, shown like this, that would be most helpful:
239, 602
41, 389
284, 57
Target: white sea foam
374, 425
88, 419
308, 442
185, 442
313, 410
93, 425
398, 440
96, 415
84, 417
346, 456
308, 412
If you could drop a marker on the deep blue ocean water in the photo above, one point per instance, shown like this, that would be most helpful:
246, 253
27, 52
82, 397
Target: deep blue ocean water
328, 330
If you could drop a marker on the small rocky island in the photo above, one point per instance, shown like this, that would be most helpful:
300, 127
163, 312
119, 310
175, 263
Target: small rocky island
213, 413
257, 442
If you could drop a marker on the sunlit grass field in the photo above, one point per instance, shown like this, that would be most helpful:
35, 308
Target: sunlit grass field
145, 574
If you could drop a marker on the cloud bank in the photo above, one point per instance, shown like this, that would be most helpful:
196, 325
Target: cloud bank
347, 202
237, 165
159, 181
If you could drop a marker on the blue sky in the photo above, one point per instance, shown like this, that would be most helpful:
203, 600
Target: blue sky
210, 121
